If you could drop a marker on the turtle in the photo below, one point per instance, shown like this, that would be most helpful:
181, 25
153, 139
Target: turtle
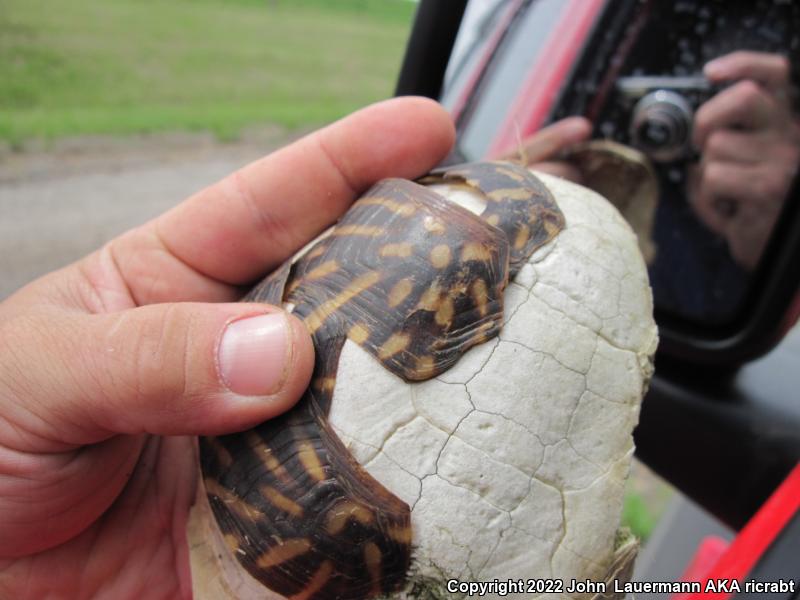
414, 280
484, 337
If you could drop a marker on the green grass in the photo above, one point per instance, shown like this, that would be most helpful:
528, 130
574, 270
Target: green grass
637, 516
70, 67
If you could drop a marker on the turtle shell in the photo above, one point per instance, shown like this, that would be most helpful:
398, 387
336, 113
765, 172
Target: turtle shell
416, 281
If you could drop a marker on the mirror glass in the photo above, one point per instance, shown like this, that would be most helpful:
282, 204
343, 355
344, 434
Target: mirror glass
693, 111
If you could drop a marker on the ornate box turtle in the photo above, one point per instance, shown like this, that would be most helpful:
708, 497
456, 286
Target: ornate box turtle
480, 363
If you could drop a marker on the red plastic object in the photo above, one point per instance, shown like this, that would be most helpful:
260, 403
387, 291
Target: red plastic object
708, 554
753, 540
544, 80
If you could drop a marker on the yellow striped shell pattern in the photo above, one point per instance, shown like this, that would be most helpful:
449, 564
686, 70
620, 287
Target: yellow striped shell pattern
415, 281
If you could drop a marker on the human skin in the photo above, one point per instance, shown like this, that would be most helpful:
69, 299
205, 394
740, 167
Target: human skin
541, 151
749, 140
110, 366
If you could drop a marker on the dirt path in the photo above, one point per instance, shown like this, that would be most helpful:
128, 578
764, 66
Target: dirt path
58, 204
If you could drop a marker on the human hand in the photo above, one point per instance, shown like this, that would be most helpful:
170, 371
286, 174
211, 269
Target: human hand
110, 365
541, 151
750, 144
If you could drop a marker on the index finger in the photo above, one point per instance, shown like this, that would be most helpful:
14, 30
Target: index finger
744, 105
770, 70
251, 221
546, 143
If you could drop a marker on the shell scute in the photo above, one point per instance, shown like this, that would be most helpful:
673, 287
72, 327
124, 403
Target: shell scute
414, 280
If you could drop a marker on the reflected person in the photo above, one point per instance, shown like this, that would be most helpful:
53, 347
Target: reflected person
749, 140
748, 136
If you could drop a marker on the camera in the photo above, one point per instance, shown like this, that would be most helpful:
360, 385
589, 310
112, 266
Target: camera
660, 112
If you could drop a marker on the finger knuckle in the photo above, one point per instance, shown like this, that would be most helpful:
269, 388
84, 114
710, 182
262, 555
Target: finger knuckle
749, 92
161, 353
279, 231
717, 144
16, 334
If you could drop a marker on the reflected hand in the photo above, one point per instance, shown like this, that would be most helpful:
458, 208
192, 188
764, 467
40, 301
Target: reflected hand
541, 150
750, 144
107, 369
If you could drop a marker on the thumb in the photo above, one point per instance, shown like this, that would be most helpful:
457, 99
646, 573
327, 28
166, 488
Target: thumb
169, 369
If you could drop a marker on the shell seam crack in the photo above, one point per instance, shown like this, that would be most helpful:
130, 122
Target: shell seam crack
441, 450
516, 310
567, 367
379, 451
563, 535
540, 283
423, 417
500, 535
600, 334
509, 419
480, 370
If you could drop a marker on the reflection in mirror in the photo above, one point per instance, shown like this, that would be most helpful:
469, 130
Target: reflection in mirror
696, 101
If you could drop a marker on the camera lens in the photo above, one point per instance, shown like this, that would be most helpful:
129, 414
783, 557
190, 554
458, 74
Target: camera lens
661, 125
654, 134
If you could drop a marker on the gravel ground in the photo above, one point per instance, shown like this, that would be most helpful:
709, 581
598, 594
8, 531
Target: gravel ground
61, 202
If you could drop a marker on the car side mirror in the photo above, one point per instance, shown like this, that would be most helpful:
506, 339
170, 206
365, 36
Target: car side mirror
726, 265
